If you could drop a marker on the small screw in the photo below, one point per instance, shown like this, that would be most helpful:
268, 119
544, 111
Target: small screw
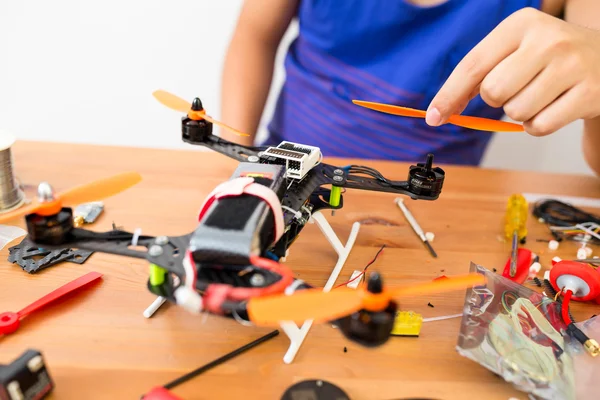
338, 178
253, 159
338, 171
162, 240
45, 192
257, 280
155, 251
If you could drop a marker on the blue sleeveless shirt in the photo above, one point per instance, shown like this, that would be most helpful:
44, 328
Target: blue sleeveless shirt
388, 51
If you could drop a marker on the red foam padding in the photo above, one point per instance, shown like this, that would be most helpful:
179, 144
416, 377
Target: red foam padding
524, 258
580, 270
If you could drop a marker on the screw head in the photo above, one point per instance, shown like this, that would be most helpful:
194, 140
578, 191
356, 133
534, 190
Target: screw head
162, 240
45, 192
338, 171
257, 280
253, 159
338, 178
155, 250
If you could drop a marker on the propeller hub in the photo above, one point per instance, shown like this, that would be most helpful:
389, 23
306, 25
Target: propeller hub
45, 193
375, 283
197, 105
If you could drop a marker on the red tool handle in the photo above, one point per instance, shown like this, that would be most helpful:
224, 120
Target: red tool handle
160, 393
61, 291
524, 258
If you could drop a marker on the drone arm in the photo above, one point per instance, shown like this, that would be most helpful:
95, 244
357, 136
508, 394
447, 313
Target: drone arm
424, 182
365, 183
162, 251
230, 149
200, 133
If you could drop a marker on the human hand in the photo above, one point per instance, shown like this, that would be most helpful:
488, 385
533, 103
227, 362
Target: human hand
541, 70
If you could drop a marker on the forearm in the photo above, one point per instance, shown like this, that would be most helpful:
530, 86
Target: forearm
247, 75
591, 144
248, 68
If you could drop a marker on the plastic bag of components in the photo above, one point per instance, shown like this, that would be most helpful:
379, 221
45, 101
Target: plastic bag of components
519, 334
9, 233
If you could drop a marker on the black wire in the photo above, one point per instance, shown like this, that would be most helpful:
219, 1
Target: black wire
379, 178
220, 360
368, 170
365, 168
364, 271
374, 258
555, 212
361, 169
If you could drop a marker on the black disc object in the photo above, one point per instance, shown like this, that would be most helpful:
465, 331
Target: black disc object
314, 390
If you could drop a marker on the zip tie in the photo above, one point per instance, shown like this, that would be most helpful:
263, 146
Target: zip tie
292, 287
136, 236
297, 214
240, 320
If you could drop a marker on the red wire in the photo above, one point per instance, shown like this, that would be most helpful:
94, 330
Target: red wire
216, 294
351, 280
364, 270
287, 277
565, 307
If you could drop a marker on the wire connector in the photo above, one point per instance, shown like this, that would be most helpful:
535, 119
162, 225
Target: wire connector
590, 345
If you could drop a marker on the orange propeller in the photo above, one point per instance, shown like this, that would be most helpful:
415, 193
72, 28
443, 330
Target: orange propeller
178, 104
92, 191
477, 123
319, 306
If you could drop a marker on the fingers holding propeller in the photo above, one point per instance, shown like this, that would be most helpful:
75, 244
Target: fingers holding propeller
320, 306
194, 111
477, 123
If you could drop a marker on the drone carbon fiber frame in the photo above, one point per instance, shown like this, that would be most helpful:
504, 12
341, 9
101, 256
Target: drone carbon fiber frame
169, 253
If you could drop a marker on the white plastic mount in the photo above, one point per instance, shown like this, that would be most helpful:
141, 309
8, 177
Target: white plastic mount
297, 335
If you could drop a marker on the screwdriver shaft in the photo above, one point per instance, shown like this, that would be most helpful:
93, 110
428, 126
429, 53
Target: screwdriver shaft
513, 255
415, 225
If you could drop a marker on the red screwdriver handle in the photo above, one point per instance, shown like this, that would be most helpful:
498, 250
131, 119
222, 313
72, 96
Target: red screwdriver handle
61, 291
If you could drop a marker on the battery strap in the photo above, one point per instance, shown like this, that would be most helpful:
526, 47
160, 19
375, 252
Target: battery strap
246, 185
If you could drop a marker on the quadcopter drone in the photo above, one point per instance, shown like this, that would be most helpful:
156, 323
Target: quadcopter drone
230, 264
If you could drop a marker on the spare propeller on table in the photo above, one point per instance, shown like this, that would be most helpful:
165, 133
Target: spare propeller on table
194, 111
88, 192
320, 306
477, 123
10, 321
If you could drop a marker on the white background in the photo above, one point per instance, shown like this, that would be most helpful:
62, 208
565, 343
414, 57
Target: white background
84, 71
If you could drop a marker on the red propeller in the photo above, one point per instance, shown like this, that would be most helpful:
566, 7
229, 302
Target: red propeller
10, 321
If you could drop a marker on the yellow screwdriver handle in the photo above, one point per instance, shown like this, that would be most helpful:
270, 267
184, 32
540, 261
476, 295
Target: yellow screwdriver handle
516, 217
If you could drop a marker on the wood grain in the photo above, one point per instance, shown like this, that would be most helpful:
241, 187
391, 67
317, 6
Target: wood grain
98, 345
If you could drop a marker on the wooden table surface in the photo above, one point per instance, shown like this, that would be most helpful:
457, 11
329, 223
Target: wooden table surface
99, 346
